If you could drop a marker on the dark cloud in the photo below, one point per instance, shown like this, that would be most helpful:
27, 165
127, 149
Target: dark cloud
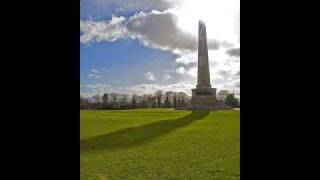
160, 30
223, 73
234, 52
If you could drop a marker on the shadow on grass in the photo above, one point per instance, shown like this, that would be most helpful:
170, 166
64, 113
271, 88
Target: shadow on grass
134, 136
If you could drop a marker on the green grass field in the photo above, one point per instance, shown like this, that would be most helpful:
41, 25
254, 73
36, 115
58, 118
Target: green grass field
158, 144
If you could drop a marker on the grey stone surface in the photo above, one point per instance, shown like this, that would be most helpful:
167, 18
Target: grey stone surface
203, 60
204, 96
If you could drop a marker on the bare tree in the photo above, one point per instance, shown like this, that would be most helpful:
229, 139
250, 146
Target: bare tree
159, 96
154, 101
148, 100
166, 101
182, 99
97, 98
83, 103
123, 99
232, 101
105, 101
222, 95
174, 99
134, 101
114, 97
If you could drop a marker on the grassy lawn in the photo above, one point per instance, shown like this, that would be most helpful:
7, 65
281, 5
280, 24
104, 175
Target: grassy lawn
159, 144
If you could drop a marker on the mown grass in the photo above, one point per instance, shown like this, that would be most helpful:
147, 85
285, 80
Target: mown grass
159, 144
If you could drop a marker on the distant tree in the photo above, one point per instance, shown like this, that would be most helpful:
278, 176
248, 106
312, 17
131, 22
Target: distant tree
124, 98
143, 102
83, 103
236, 103
149, 100
158, 96
182, 99
97, 101
114, 100
97, 98
154, 101
124, 101
222, 95
105, 101
134, 101
174, 99
114, 97
229, 99
81, 99
167, 101
232, 101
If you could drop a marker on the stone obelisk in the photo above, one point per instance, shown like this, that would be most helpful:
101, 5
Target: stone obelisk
203, 60
204, 97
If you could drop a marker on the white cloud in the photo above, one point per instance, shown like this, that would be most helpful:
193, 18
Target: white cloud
149, 76
187, 58
151, 88
102, 30
166, 77
91, 75
192, 71
94, 71
93, 89
181, 70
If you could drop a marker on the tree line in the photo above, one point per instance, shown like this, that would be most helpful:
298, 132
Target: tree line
159, 99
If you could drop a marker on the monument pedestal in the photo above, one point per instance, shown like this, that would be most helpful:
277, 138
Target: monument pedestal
205, 98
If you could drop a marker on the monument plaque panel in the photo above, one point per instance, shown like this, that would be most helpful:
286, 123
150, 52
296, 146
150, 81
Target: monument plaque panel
204, 93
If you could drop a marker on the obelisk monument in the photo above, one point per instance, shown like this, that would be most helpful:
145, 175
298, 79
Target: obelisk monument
204, 97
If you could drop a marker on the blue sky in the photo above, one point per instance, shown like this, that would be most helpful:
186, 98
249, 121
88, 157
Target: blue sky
122, 62
140, 46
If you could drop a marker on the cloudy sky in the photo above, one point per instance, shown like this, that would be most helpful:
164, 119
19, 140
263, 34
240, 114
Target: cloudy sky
139, 46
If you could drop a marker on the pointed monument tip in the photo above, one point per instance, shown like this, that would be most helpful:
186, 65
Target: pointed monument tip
201, 22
